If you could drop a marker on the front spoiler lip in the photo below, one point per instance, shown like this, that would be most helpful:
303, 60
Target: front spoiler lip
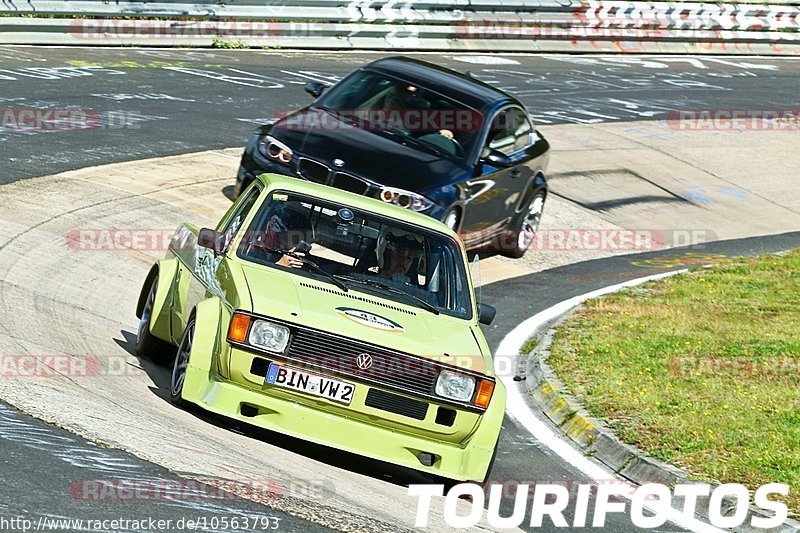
454, 461
439, 365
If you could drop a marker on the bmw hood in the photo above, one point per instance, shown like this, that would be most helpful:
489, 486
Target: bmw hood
378, 157
360, 315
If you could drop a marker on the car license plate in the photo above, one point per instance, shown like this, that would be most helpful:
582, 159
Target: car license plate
299, 380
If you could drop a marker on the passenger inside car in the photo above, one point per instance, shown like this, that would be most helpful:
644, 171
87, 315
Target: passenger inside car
400, 254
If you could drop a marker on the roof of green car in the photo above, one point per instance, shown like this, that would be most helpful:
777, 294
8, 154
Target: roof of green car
358, 201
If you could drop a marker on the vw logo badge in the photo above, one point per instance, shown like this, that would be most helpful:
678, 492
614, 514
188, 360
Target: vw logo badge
364, 361
338, 163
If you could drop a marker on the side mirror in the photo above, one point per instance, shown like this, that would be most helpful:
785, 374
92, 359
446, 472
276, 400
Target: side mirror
497, 158
486, 314
315, 88
208, 238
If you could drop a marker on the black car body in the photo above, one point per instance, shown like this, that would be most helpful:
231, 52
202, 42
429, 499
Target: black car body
420, 136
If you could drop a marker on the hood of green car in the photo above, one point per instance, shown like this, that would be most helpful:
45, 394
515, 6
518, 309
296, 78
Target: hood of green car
365, 316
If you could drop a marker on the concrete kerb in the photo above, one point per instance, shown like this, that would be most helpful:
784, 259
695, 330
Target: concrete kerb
549, 394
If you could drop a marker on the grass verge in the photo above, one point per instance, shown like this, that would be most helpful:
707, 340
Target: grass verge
700, 370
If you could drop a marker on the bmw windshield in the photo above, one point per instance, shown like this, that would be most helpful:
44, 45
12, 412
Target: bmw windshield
361, 251
408, 113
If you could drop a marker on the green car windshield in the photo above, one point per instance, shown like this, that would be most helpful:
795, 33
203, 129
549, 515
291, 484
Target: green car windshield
357, 250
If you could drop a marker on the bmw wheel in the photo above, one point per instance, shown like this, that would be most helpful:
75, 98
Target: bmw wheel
525, 232
451, 219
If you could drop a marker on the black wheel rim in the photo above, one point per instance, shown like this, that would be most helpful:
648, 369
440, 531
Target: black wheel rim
530, 224
182, 361
147, 312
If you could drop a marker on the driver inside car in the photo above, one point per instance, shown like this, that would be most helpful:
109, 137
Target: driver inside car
412, 108
283, 227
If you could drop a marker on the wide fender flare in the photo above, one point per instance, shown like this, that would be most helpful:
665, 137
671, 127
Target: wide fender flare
209, 337
166, 270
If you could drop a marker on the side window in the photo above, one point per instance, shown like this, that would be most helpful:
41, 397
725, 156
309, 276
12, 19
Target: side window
524, 131
501, 134
511, 131
236, 219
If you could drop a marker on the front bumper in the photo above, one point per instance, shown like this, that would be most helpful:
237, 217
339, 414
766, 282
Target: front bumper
254, 164
466, 462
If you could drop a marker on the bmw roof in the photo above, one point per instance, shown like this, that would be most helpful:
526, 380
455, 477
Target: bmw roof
461, 87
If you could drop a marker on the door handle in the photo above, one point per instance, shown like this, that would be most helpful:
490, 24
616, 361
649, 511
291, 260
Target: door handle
515, 172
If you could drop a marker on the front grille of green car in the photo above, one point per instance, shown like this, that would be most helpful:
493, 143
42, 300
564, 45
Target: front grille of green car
339, 355
333, 354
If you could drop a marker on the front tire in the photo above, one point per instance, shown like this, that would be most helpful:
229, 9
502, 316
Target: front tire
147, 344
240, 185
451, 219
179, 366
488, 475
525, 231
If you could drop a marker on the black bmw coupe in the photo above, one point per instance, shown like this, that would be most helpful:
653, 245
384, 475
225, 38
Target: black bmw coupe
422, 137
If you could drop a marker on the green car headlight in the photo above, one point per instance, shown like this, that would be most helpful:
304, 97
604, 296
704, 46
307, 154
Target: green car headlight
268, 336
455, 386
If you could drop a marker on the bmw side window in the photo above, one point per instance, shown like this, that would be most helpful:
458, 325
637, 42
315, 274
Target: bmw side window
237, 218
502, 135
523, 132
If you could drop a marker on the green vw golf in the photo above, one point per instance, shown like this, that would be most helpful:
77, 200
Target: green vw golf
334, 318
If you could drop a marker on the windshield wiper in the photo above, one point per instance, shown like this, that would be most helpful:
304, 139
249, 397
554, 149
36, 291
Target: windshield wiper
315, 267
338, 115
383, 285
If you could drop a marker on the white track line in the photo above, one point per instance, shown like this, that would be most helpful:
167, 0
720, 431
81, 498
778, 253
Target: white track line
518, 408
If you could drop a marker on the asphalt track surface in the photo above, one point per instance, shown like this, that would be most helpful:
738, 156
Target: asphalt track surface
163, 102
52, 476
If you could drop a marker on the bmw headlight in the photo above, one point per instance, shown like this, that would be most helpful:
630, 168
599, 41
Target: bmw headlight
268, 336
274, 149
455, 386
405, 199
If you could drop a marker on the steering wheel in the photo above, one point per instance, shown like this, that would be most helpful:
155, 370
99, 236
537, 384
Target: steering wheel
459, 148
